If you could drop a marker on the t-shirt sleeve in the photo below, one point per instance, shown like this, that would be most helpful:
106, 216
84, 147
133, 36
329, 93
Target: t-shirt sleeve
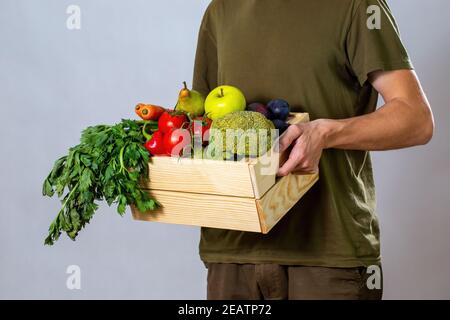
371, 46
206, 66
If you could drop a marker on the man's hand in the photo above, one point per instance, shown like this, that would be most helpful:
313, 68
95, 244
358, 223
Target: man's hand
308, 141
405, 120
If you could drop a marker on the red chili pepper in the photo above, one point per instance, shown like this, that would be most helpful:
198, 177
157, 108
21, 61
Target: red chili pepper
156, 144
171, 120
176, 140
200, 127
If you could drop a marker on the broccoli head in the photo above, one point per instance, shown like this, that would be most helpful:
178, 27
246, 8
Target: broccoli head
242, 133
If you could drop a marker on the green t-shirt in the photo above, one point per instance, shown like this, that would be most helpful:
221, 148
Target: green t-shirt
316, 54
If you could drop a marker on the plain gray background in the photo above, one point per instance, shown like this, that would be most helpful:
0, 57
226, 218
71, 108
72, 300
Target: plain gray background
54, 82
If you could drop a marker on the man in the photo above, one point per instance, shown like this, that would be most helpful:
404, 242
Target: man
325, 59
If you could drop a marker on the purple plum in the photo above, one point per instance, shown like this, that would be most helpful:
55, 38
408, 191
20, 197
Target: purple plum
279, 109
280, 125
259, 107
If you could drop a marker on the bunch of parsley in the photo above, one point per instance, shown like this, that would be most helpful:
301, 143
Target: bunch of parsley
108, 165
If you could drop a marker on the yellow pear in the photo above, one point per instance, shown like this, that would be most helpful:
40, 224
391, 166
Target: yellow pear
190, 101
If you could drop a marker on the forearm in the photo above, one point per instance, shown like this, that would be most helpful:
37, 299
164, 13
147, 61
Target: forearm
398, 124
405, 120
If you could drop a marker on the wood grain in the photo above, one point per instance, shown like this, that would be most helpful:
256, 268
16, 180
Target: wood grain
197, 209
261, 177
229, 195
200, 176
263, 170
282, 197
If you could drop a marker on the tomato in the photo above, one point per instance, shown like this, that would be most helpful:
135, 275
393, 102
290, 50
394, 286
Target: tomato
156, 144
176, 140
171, 120
200, 128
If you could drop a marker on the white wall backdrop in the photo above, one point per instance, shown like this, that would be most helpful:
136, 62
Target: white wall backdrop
54, 82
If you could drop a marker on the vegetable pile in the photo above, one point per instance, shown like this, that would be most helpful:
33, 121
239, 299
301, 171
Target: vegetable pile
111, 161
108, 164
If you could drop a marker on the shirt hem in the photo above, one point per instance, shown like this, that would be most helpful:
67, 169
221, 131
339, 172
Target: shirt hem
383, 66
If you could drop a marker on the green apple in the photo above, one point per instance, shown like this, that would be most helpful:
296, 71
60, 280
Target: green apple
224, 100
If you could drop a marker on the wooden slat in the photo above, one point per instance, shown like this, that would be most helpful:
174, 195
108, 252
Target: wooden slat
215, 211
263, 170
298, 118
262, 178
226, 195
282, 197
200, 176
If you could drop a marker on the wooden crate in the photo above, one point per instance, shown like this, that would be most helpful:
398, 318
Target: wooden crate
244, 195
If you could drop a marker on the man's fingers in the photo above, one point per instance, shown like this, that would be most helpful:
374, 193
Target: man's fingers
287, 138
290, 164
305, 170
296, 168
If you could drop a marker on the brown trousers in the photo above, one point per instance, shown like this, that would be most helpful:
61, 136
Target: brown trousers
275, 282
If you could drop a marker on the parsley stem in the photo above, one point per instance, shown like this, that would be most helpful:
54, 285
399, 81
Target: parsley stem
121, 160
63, 208
68, 198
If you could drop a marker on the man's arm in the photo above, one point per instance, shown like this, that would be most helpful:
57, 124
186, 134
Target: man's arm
405, 120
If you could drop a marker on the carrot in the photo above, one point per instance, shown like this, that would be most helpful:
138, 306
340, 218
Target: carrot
149, 111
